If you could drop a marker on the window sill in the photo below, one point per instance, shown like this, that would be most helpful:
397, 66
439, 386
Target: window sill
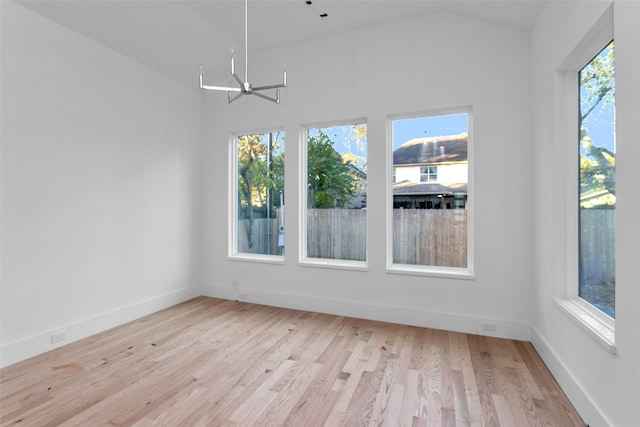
334, 263
265, 259
449, 272
599, 329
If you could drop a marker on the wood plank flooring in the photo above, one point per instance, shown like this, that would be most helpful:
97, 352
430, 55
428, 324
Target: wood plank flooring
211, 362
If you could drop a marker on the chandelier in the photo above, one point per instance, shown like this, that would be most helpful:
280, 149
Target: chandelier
245, 88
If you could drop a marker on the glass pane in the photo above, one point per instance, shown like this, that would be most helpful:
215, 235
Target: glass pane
430, 190
261, 194
336, 192
597, 151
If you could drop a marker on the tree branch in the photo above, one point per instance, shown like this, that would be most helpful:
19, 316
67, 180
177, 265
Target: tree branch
601, 95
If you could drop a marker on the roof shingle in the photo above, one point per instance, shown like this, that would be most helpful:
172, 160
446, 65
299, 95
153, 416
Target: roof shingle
434, 150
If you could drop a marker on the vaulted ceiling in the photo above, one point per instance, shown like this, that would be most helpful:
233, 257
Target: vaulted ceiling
175, 36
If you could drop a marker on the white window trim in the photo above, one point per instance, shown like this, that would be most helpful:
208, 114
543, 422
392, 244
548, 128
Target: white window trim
303, 260
232, 241
428, 270
594, 322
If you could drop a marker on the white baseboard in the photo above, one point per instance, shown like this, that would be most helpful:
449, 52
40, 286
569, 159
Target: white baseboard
406, 316
25, 348
584, 404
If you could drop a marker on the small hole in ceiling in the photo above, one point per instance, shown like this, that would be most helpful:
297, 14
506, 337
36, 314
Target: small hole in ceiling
323, 15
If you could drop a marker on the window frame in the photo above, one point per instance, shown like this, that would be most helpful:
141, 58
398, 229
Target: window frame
593, 321
303, 259
431, 174
467, 272
233, 200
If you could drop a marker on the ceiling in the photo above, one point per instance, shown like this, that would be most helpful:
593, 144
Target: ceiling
175, 36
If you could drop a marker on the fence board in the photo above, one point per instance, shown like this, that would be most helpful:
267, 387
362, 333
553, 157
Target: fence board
265, 236
337, 234
597, 245
436, 237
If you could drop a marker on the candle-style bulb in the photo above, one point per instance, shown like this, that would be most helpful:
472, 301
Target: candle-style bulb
284, 76
201, 69
233, 53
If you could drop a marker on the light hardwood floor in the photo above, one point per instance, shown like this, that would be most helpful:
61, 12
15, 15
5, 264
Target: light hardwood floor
211, 362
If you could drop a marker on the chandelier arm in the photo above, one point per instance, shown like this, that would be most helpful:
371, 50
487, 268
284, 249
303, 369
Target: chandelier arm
269, 87
231, 99
223, 88
235, 76
269, 98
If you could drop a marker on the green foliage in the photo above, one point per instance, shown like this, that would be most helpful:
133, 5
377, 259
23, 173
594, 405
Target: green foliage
330, 181
277, 177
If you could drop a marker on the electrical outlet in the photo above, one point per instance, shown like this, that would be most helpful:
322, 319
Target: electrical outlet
488, 326
243, 296
58, 336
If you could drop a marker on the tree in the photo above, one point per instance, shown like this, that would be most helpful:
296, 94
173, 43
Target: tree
330, 181
259, 172
597, 89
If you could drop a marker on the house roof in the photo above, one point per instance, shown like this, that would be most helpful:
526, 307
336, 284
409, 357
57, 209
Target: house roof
357, 171
417, 188
434, 150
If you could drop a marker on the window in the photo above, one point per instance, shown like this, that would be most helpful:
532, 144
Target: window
597, 182
585, 129
336, 193
429, 219
428, 174
259, 193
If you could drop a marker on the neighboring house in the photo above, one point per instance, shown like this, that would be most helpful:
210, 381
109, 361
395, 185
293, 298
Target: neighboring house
359, 201
431, 173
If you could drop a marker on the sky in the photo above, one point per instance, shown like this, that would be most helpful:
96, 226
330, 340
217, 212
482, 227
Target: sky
600, 126
426, 127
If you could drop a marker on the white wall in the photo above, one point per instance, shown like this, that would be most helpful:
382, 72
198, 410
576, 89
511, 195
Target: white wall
605, 388
415, 65
100, 186
449, 173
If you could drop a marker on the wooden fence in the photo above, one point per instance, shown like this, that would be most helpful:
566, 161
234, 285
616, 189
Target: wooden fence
421, 236
337, 234
597, 245
435, 237
265, 237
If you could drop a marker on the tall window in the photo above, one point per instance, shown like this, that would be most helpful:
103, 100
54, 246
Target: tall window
429, 219
336, 197
259, 173
597, 177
